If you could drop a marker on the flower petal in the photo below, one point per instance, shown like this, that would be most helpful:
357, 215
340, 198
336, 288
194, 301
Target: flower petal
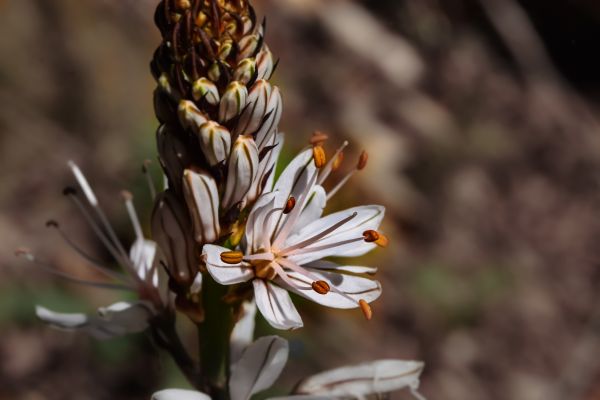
179, 394
313, 208
243, 331
295, 176
354, 287
224, 274
367, 218
260, 366
276, 305
361, 380
116, 320
353, 269
257, 228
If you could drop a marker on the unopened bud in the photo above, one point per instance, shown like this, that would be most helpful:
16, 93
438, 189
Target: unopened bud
362, 160
289, 205
202, 198
200, 19
366, 309
269, 125
225, 49
172, 232
253, 115
233, 101
243, 168
232, 257
245, 70
215, 142
164, 84
190, 116
214, 72
379, 239
321, 287
248, 45
319, 156
182, 5
264, 64
204, 88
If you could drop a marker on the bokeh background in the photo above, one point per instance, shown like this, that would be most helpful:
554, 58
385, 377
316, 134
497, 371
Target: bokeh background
480, 117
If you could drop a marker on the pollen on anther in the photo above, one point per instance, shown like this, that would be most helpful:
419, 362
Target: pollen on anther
289, 205
321, 287
379, 239
232, 257
338, 161
319, 156
366, 309
362, 161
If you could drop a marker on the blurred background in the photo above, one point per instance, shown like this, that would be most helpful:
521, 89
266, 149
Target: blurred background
480, 119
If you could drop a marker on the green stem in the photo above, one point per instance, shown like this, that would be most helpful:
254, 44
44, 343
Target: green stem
214, 333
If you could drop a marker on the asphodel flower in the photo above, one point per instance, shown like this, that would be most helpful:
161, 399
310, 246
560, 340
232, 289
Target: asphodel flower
286, 241
142, 273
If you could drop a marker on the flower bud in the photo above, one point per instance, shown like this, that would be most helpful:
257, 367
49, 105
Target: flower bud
245, 70
204, 88
173, 154
233, 101
202, 198
253, 115
243, 168
269, 125
264, 64
225, 49
172, 231
248, 46
214, 72
215, 142
190, 116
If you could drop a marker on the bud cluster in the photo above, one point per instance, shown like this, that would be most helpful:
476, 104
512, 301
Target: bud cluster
218, 117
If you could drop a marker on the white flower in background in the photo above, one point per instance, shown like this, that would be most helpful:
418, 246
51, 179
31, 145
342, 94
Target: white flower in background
255, 367
286, 240
142, 272
359, 381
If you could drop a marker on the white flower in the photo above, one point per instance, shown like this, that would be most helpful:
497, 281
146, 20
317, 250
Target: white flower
286, 240
115, 320
257, 369
143, 274
359, 381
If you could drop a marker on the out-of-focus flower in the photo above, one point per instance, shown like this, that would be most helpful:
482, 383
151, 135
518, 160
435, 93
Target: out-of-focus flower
115, 320
257, 369
142, 272
286, 240
359, 381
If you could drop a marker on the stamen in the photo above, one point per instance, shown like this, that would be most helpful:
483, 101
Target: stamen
83, 183
123, 260
332, 164
97, 265
375, 237
259, 256
338, 161
366, 309
321, 287
137, 227
319, 156
318, 138
149, 180
232, 257
318, 236
49, 268
362, 161
289, 206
